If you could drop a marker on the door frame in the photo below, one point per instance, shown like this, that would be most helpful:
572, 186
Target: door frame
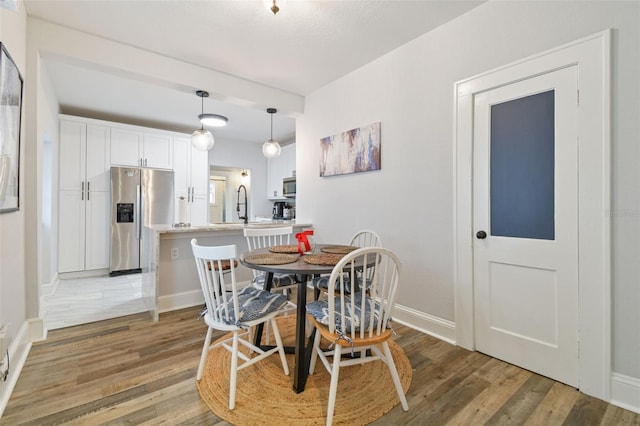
592, 56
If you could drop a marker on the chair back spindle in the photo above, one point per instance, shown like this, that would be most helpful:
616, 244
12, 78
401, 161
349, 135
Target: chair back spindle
372, 304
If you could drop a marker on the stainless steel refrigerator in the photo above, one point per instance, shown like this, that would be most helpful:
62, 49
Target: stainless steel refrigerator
139, 197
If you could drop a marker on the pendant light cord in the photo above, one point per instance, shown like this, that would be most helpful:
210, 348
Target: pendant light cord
201, 111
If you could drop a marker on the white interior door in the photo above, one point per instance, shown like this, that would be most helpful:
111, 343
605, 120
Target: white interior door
525, 218
217, 199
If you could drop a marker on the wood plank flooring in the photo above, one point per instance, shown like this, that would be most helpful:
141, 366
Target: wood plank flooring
131, 371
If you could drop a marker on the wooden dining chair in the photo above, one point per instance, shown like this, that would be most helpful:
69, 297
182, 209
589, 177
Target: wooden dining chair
357, 320
235, 311
258, 238
362, 238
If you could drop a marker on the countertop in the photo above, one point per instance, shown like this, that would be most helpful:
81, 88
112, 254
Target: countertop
225, 226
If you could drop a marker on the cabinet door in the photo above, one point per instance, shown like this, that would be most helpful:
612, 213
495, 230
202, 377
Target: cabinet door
199, 171
124, 148
199, 210
97, 226
157, 151
72, 155
181, 160
275, 173
98, 162
290, 167
71, 235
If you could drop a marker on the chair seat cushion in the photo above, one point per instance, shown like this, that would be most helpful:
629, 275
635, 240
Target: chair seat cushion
322, 282
226, 265
319, 309
253, 303
279, 280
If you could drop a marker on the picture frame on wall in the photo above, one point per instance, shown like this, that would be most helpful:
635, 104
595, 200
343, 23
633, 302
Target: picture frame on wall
356, 150
11, 85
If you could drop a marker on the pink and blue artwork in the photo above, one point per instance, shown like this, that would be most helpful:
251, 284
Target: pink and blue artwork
353, 151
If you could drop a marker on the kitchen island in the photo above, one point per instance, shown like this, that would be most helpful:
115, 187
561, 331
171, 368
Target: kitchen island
169, 277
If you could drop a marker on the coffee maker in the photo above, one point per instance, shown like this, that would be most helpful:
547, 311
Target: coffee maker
278, 210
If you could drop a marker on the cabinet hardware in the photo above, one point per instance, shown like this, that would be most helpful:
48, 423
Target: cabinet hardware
88, 183
82, 192
145, 162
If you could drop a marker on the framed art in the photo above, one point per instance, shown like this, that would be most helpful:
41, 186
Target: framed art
353, 151
10, 115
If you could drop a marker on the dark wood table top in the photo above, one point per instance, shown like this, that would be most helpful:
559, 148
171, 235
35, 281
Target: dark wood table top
297, 267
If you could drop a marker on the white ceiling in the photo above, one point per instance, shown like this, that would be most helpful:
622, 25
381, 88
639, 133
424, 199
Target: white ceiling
308, 44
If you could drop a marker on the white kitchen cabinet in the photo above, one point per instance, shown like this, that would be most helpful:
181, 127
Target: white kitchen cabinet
157, 151
191, 180
279, 168
140, 148
83, 229
125, 147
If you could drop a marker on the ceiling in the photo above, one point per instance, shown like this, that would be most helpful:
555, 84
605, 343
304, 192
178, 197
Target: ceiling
308, 44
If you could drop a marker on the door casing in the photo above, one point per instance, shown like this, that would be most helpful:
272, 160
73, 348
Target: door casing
592, 56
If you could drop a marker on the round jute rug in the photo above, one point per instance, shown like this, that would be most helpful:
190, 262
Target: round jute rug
264, 395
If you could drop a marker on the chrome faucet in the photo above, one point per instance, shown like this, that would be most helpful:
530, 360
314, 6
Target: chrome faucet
246, 216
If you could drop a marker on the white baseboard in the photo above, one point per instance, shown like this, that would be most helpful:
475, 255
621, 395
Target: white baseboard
18, 352
429, 324
180, 300
625, 392
186, 299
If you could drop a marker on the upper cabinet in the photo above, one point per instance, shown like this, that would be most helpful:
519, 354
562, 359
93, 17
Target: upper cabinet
141, 148
279, 168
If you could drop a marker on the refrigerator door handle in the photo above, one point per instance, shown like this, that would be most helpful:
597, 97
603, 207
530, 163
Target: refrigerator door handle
138, 211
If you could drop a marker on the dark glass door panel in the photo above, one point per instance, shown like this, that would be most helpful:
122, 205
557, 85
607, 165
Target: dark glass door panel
522, 167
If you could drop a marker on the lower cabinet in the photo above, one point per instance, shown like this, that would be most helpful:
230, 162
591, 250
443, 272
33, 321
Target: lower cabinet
83, 242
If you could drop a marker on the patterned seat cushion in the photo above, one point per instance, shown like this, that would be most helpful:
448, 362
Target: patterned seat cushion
319, 309
279, 280
253, 304
322, 282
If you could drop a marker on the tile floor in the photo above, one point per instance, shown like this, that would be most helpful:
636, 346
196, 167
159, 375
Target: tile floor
83, 300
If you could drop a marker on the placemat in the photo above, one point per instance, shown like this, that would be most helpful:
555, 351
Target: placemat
339, 249
292, 248
271, 258
323, 259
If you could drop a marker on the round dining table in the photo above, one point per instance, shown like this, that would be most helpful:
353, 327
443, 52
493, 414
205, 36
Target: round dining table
304, 272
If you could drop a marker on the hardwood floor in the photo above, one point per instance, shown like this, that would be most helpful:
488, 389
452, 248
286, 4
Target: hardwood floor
131, 371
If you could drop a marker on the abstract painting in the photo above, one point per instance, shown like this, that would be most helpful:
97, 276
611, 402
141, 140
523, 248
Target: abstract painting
10, 110
353, 151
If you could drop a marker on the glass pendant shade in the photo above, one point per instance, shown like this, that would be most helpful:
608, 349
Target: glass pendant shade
271, 149
202, 139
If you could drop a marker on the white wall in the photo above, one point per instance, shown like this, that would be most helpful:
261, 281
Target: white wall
47, 137
12, 225
409, 201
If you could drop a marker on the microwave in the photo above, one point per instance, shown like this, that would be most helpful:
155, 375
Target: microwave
289, 187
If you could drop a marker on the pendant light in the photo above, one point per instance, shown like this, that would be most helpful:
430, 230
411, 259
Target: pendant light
271, 148
202, 139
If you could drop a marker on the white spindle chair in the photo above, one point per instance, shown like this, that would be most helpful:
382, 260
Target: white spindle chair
362, 238
342, 321
235, 310
258, 238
